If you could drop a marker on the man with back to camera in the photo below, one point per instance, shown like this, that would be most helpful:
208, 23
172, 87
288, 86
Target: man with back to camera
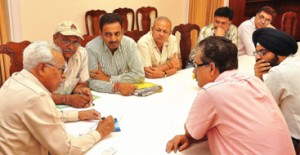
159, 50
114, 62
275, 57
29, 121
221, 26
262, 19
74, 89
248, 122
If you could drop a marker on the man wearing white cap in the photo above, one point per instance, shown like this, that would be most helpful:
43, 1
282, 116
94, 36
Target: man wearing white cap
73, 90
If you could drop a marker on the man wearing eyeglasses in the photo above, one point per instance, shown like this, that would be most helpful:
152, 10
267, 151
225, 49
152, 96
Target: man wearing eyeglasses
236, 113
262, 19
114, 62
275, 56
30, 123
74, 89
159, 50
221, 26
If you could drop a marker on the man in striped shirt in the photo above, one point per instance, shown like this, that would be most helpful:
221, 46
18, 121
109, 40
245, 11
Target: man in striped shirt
114, 62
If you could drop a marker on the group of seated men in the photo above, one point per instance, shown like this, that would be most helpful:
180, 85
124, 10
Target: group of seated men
249, 122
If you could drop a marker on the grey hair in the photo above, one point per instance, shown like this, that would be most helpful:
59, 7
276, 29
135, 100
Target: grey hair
162, 18
36, 52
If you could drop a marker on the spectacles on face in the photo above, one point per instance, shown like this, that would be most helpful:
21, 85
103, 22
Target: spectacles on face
61, 68
263, 18
260, 52
68, 43
199, 65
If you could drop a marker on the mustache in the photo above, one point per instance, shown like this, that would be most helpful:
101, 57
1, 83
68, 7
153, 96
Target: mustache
69, 50
113, 42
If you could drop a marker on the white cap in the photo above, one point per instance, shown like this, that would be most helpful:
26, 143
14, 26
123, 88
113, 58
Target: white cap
68, 28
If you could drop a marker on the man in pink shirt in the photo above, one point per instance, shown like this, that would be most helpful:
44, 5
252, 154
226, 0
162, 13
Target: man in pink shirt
236, 113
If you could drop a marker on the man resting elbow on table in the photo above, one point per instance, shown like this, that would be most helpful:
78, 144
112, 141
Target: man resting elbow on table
73, 90
113, 59
159, 50
246, 122
30, 123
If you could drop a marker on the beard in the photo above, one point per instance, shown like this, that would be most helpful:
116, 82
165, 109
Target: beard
274, 61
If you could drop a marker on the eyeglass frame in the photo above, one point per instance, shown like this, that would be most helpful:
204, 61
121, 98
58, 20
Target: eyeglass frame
262, 17
195, 65
62, 68
260, 52
68, 42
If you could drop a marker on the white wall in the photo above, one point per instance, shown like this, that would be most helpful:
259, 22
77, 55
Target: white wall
38, 18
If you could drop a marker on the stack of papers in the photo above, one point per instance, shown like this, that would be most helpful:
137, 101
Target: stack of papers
147, 88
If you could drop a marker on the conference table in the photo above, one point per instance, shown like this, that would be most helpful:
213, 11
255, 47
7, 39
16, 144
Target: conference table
147, 123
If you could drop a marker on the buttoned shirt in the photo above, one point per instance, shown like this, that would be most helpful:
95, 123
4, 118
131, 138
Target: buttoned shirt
246, 30
76, 71
246, 122
283, 82
122, 66
207, 31
30, 123
151, 55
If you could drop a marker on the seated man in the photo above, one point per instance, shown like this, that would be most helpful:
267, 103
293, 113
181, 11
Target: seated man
248, 122
113, 59
74, 89
275, 56
220, 27
263, 18
159, 50
30, 123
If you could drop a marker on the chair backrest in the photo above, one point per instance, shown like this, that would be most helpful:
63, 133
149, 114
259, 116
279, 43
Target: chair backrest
125, 12
15, 52
86, 38
185, 40
135, 34
95, 16
289, 23
145, 13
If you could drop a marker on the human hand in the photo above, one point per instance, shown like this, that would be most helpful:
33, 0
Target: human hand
179, 142
99, 75
126, 89
87, 92
152, 72
219, 31
261, 67
106, 126
89, 115
78, 100
175, 61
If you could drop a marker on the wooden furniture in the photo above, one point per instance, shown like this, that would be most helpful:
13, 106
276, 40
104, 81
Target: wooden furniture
15, 52
94, 16
125, 12
135, 34
185, 40
87, 38
145, 13
289, 23
245, 9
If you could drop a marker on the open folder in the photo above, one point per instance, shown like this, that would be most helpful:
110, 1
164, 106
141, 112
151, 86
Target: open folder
147, 88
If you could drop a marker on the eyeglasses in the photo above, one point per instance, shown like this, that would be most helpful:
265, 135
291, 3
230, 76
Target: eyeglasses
263, 18
62, 68
260, 52
68, 43
199, 65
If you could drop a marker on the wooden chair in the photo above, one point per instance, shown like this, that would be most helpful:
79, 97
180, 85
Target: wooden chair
135, 34
95, 16
87, 39
145, 13
125, 12
185, 40
15, 52
289, 23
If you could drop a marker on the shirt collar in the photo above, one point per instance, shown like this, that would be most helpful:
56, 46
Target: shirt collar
226, 74
32, 78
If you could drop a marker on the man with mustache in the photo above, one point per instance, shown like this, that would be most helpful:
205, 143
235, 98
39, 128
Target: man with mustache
221, 26
159, 50
275, 56
262, 19
114, 62
74, 89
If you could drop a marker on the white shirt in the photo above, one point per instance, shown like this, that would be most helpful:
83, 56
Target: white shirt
245, 43
284, 83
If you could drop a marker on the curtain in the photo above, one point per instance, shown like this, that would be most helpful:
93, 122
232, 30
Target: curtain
201, 12
4, 59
